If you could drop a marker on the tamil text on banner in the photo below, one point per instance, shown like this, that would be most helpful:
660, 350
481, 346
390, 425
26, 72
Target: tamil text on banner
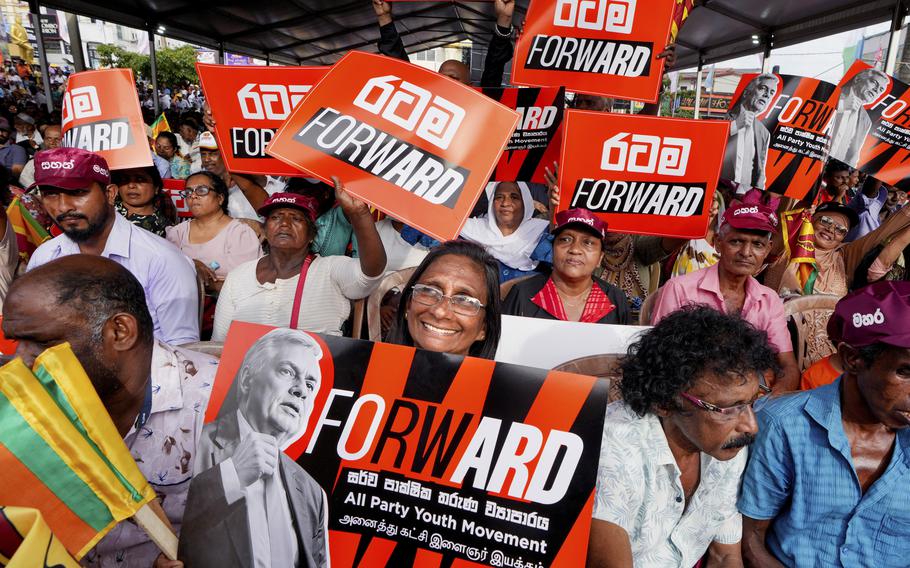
249, 103
871, 128
415, 144
641, 174
535, 142
600, 47
401, 456
779, 132
101, 113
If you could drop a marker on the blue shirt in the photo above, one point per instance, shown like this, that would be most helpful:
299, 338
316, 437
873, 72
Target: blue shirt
868, 209
166, 274
801, 474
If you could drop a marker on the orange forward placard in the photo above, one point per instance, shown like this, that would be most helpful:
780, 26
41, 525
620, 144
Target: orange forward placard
642, 174
101, 113
415, 144
599, 47
249, 104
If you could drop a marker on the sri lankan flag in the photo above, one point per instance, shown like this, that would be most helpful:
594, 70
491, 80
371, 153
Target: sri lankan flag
26, 541
160, 125
60, 452
680, 13
29, 233
799, 244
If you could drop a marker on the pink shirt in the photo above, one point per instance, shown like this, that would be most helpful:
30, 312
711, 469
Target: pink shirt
763, 308
234, 245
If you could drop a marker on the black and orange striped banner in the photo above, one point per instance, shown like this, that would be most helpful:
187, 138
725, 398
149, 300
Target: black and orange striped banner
463, 461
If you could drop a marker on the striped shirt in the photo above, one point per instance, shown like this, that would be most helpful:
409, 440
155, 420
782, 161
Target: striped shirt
800, 474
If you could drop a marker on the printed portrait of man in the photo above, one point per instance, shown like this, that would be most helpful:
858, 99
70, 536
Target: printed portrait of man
852, 122
251, 505
747, 147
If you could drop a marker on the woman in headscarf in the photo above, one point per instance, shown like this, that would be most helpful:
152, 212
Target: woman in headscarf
142, 199
509, 232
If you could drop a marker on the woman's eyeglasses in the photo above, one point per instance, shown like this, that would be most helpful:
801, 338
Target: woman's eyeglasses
460, 303
730, 412
832, 225
198, 191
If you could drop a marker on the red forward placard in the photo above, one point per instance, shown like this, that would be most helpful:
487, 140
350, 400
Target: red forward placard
600, 47
101, 113
415, 144
642, 174
250, 103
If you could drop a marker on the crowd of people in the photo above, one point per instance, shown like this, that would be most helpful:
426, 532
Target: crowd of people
127, 283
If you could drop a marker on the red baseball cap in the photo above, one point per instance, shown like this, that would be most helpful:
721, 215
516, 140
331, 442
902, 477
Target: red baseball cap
70, 168
305, 203
750, 216
877, 313
580, 216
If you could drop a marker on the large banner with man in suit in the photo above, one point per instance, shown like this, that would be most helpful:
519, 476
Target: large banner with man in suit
779, 132
391, 456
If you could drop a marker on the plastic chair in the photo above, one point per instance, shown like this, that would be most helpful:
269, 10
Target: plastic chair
374, 302
605, 366
810, 316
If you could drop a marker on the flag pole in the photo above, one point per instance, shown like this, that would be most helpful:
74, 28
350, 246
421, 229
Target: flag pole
154, 522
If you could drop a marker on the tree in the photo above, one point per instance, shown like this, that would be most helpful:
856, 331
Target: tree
175, 66
114, 56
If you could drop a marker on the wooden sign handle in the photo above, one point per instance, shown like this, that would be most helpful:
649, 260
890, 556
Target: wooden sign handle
154, 522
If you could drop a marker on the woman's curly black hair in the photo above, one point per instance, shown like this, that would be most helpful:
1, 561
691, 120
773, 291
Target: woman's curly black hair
682, 347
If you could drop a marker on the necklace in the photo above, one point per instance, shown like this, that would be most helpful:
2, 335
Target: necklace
574, 300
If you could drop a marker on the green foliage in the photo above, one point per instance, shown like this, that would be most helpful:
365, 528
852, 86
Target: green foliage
175, 66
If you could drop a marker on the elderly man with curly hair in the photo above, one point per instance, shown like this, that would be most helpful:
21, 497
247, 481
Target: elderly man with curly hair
671, 459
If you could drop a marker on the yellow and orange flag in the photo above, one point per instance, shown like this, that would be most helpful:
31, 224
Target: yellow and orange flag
29, 232
160, 125
799, 244
61, 454
26, 541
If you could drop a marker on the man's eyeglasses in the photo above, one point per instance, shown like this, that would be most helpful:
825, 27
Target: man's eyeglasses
832, 225
198, 191
460, 303
730, 412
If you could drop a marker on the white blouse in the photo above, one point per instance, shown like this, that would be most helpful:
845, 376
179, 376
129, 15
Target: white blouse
331, 283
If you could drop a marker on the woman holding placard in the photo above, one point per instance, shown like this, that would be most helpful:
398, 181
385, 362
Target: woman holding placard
291, 285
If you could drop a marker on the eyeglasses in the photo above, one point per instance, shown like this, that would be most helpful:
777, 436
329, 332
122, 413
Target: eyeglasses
832, 225
460, 303
731, 412
198, 191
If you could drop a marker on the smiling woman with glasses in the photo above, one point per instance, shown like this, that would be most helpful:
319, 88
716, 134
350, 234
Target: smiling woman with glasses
451, 303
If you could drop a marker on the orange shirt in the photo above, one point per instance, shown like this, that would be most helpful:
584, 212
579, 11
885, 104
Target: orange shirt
821, 373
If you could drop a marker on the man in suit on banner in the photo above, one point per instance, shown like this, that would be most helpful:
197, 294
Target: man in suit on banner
251, 505
851, 120
747, 147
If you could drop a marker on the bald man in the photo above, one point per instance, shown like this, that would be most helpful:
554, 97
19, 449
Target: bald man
155, 393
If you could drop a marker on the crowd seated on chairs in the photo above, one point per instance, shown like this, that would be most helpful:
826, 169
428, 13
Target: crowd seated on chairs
741, 343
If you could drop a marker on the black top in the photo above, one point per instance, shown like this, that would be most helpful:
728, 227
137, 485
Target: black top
518, 302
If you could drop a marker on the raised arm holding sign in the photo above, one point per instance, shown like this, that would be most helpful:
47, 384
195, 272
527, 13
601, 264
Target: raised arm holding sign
414, 144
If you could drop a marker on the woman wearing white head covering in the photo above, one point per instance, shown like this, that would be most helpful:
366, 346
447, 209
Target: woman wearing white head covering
509, 232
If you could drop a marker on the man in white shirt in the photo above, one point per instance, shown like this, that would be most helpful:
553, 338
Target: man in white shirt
671, 459
76, 192
851, 120
747, 146
246, 484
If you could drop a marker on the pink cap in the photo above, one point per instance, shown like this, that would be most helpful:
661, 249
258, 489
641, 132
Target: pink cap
580, 216
750, 216
70, 168
305, 203
877, 313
